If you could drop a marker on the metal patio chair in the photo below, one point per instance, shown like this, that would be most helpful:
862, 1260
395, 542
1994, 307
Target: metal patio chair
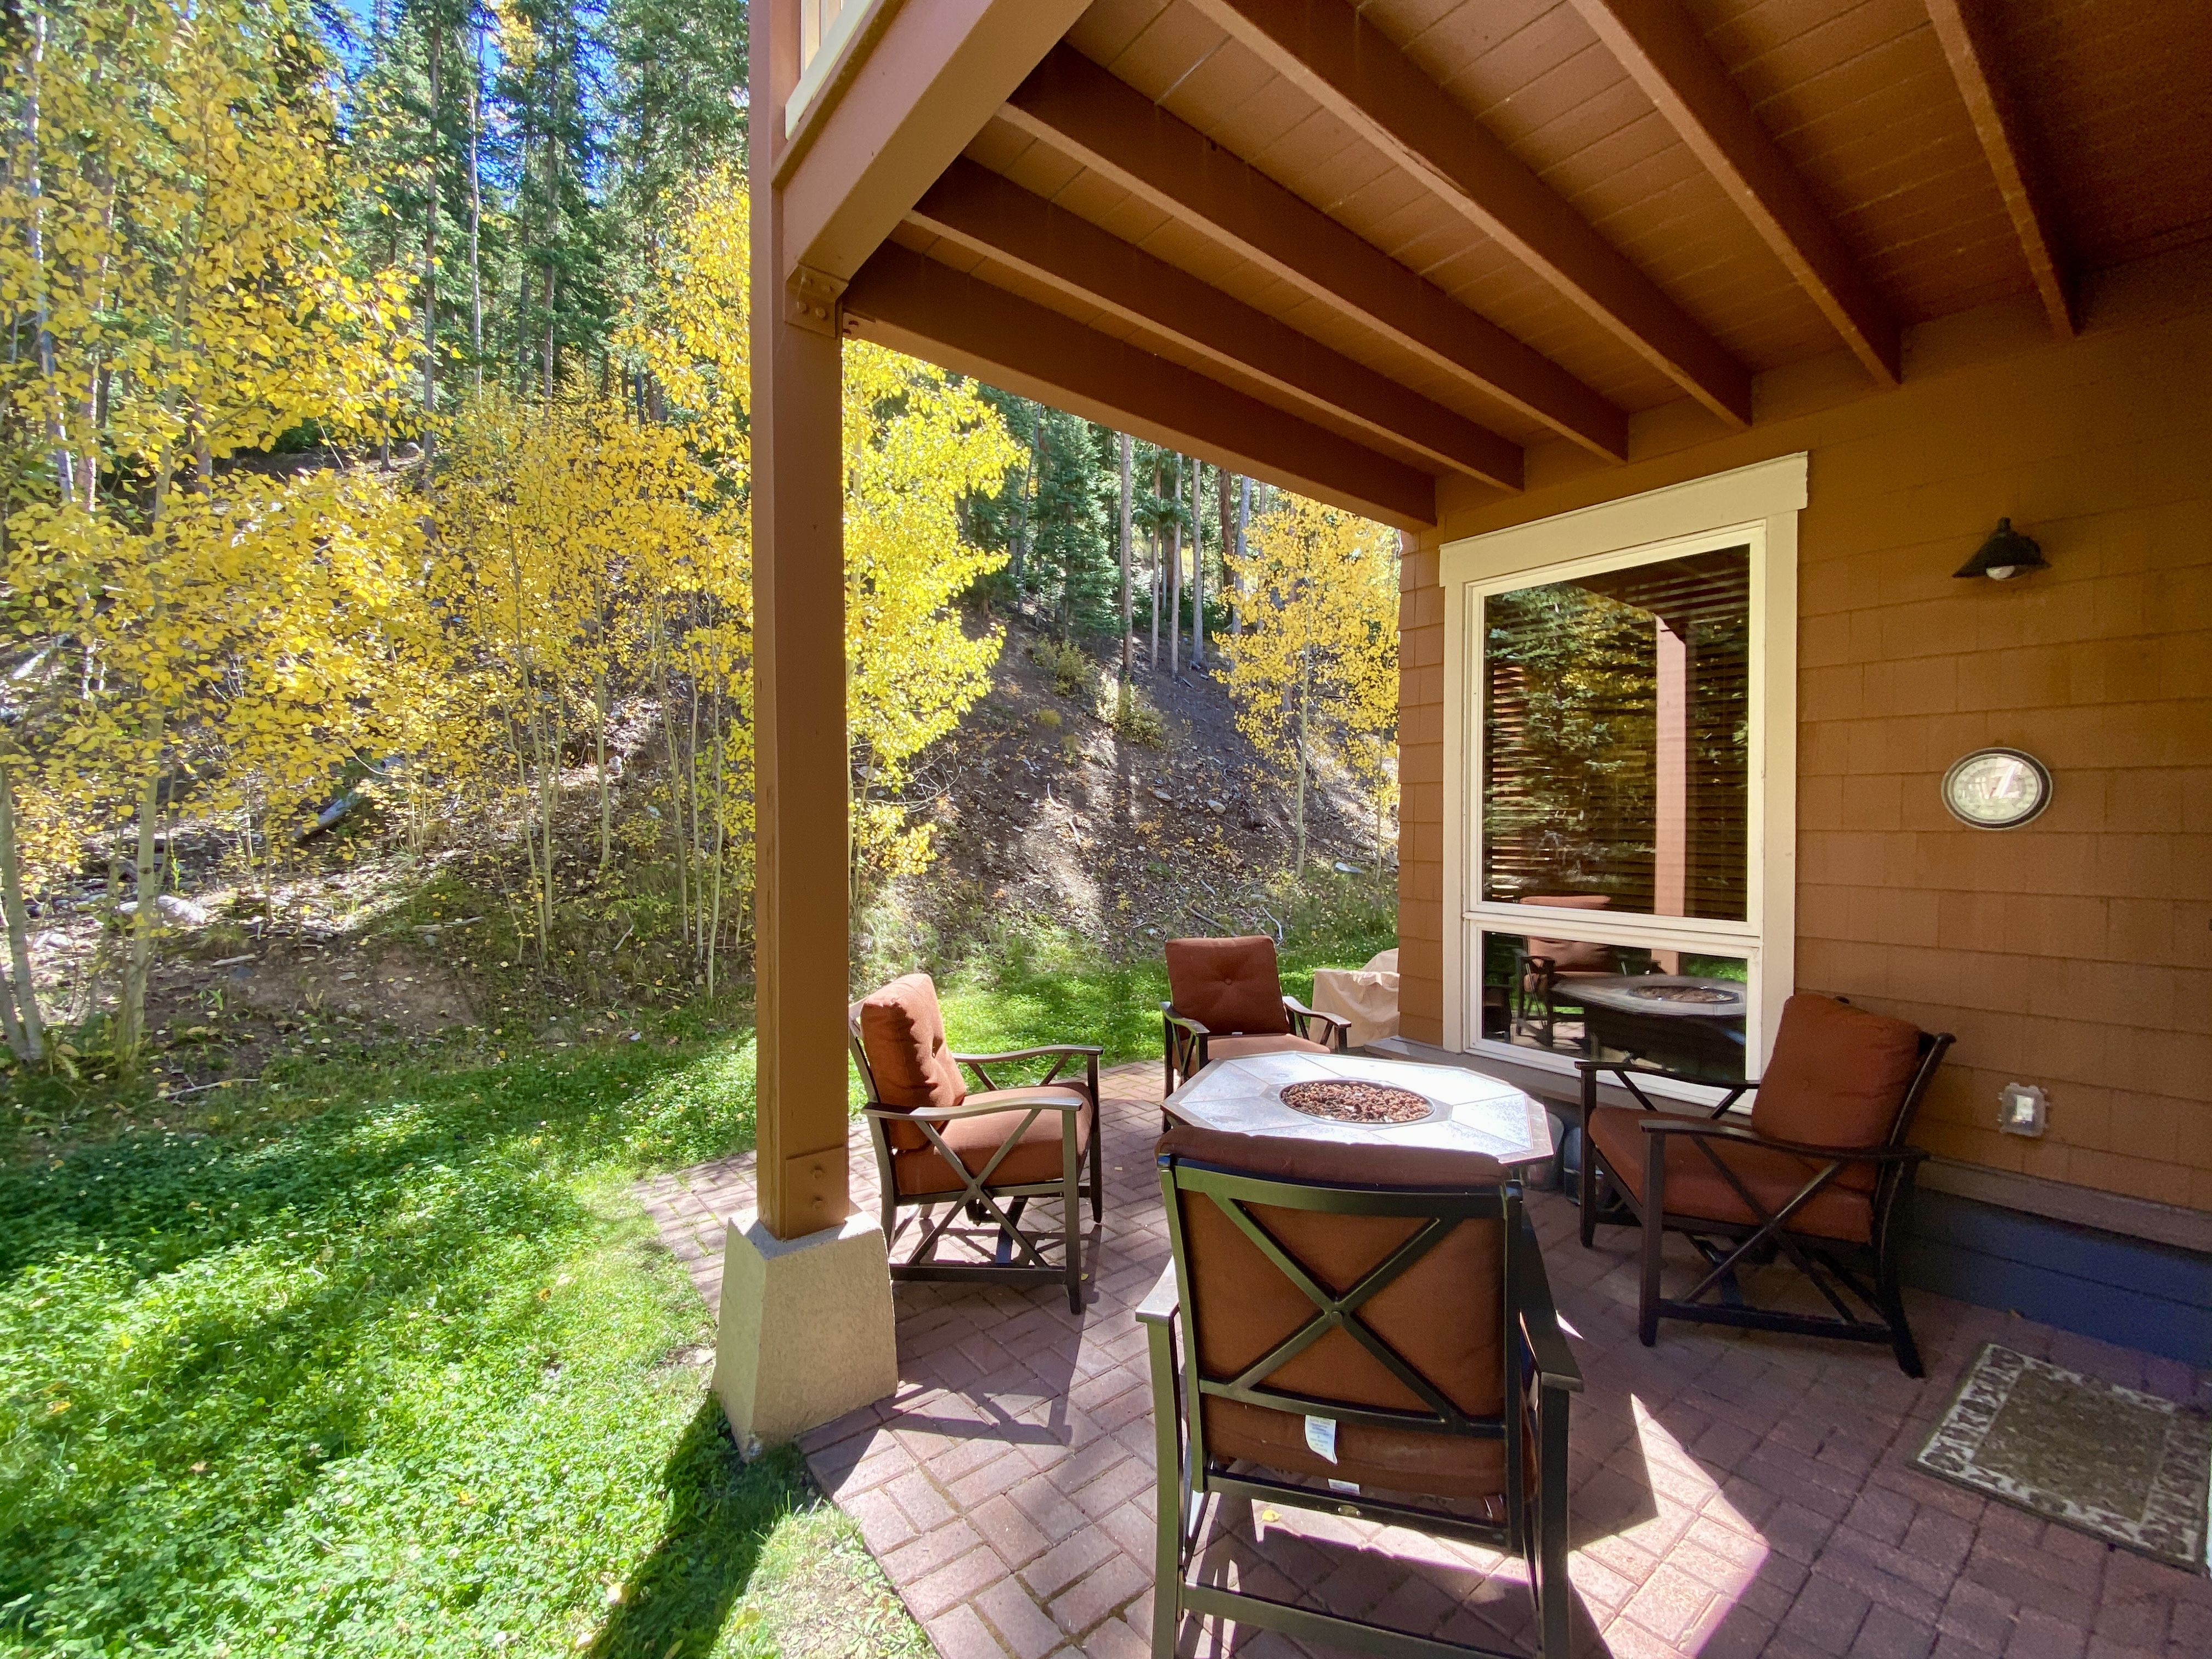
982, 1155
1226, 1000
1819, 1174
1365, 1330
1545, 971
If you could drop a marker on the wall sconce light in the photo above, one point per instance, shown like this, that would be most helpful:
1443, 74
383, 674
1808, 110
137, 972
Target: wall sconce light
2006, 554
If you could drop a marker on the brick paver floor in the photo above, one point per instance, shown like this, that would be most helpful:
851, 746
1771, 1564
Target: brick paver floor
1733, 1494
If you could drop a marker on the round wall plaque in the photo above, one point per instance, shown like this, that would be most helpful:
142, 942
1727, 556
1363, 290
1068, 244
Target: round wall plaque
1996, 789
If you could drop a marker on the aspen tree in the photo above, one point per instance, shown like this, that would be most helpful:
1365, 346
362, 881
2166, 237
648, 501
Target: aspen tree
1175, 575
211, 317
1319, 651
1197, 568
917, 442
1129, 615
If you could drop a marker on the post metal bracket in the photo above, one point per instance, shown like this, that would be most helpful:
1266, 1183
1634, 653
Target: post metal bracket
811, 302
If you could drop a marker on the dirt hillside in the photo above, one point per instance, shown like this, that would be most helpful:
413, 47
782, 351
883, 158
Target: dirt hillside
1043, 811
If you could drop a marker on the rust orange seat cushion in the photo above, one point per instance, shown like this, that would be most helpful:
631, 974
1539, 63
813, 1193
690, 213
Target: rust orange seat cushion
1837, 1078
1373, 1459
1696, 1188
902, 1033
1228, 984
1035, 1159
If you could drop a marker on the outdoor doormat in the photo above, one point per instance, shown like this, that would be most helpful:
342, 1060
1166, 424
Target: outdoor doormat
2128, 1467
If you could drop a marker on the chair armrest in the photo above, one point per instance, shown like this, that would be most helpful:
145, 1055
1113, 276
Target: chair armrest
1708, 1131
1627, 1071
1168, 1013
947, 1113
1030, 1053
1305, 1013
1539, 1317
1628, 1068
1163, 1300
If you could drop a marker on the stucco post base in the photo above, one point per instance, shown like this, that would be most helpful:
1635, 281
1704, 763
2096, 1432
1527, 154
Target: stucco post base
807, 1331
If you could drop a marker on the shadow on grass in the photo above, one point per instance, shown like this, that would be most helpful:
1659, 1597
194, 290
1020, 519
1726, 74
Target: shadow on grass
720, 1512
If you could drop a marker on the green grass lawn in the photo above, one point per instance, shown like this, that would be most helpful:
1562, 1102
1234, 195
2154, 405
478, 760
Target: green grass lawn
379, 1355
1032, 987
385, 1358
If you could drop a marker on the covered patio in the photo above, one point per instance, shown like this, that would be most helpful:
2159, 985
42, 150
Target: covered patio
1732, 1495
1722, 333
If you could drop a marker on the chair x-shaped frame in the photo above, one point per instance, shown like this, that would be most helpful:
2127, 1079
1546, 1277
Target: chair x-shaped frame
976, 1197
1770, 1227
1341, 1313
1810, 1261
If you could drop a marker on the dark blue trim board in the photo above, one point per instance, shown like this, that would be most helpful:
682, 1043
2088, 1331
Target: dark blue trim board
2127, 1291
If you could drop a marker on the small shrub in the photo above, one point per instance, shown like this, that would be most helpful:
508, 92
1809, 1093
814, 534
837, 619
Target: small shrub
1069, 663
1049, 718
1136, 719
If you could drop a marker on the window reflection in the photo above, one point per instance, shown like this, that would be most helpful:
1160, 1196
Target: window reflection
1616, 739
1682, 1011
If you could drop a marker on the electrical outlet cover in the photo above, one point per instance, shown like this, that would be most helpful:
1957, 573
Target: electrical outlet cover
2021, 1108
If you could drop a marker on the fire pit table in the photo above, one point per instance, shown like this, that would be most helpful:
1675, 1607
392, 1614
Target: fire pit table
1344, 1098
1677, 1021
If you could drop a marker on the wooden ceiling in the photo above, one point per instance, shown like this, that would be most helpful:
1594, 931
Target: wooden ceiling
1434, 232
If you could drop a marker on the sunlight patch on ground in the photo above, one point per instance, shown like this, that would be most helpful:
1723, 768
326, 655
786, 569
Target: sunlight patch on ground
1712, 1554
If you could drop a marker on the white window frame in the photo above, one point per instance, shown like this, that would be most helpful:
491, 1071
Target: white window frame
1755, 506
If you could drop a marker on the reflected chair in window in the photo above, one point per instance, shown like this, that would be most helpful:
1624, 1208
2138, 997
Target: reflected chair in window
1361, 1329
979, 1157
1819, 1174
1547, 969
1226, 1000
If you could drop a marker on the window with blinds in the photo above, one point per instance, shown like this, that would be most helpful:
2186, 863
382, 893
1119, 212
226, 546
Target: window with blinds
1616, 740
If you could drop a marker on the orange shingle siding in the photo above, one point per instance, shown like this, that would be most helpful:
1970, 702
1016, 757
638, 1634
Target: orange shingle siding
2077, 952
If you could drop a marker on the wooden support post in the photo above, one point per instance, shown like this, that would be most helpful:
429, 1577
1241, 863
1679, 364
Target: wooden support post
1671, 834
801, 919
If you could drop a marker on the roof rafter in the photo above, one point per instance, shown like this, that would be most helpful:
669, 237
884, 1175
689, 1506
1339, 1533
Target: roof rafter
1360, 77
1998, 123
913, 304
1659, 45
1077, 108
991, 215
916, 99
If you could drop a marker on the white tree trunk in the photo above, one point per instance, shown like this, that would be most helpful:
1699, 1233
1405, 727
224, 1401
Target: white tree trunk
28, 1031
1305, 697
131, 1028
1174, 579
475, 213
1128, 618
1197, 570
1236, 583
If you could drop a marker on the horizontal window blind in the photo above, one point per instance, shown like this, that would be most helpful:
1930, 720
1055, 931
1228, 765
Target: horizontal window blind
1616, 739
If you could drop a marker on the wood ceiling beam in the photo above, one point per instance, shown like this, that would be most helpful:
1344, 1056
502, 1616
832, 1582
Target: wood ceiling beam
991, 215
913, 304
1999, 125
1080, 110
936, 72
1353, 70
1663, 52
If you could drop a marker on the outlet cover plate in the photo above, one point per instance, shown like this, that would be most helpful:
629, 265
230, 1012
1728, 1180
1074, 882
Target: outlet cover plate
2023, 1108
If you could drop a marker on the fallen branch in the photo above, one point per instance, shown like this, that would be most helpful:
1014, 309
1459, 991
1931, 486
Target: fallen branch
220, 1083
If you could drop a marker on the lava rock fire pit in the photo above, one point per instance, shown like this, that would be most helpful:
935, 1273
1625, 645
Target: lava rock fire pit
1349, 1100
